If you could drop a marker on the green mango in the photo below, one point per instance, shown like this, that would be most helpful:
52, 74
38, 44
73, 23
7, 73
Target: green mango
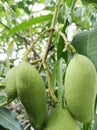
80, 87
32, 93
10, 81
61, 119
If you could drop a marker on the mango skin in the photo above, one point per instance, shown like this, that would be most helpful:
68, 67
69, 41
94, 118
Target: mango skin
32, 93
61, 119
80, 88
10, 80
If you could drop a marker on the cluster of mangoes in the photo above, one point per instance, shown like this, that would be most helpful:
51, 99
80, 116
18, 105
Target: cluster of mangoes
25, 82
80, 83
80, 93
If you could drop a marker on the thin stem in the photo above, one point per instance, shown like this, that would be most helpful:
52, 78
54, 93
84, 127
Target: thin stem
67, 43
55, 14
70, 47
62, 35
48, 45
52, 95
35, 61
6, 102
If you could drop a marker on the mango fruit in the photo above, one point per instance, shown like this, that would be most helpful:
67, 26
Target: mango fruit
10, 81
80, 88
61, 119
32, 93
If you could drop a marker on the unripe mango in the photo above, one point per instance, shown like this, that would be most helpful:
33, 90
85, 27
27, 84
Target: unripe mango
32, 93
80, 87
61, 119
10, 80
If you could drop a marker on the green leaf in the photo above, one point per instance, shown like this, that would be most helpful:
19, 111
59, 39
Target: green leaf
89, 1
54, 76
70, 2
61, 44
1, 8
27, 24
95, 106
95, 123
42, 1
2, 128
86, 44
20, 4
57, 77
2, 96
8, 120
87, 126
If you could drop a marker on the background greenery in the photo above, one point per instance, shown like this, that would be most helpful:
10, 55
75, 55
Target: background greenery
21, 22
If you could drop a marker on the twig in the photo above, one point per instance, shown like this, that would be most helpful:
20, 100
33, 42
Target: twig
52, 95
67, 43
27, 126
35, 61
25, 121
6, 102
34, 42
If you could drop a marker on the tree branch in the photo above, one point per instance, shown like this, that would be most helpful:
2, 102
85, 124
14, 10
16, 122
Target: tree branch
34, 42
51, 92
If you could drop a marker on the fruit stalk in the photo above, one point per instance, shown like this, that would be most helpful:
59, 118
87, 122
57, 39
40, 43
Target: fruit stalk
68, 46
52, 95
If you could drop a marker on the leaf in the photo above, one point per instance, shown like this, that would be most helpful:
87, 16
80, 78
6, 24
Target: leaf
60, 46
70, 2
54, 76
95, 124
89, 1
1, 8
2, 97
95, 105
86, 126
27, 24
57, 77
2, 128
8, 120
42, 1
86, 44
2, 84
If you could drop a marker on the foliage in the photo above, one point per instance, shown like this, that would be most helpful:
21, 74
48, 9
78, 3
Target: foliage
25, 30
